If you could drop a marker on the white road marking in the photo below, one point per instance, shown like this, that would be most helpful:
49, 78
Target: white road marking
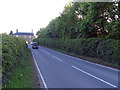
39, 72
97, 64
45, 52
95, 77
57, 58
86, 61
83, 70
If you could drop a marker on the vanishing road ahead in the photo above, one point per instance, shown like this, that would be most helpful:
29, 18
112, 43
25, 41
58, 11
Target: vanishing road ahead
58, 70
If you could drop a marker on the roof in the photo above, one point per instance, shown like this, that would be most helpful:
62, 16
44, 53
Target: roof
22, 33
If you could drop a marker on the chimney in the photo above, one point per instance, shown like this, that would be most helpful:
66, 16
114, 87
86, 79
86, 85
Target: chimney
32, 30
16, 30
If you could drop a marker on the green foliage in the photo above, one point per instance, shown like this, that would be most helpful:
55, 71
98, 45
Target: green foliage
106, 49
86, 28
11, 32
109, 50
38, 33
23, 75
12, 50
114, 30
85, 20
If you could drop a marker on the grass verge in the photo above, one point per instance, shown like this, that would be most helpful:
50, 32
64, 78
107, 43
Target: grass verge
24, 75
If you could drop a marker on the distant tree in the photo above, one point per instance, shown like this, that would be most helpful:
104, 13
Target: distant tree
11, 32
38, 33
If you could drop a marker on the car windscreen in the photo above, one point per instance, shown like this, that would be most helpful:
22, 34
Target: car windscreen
35, 43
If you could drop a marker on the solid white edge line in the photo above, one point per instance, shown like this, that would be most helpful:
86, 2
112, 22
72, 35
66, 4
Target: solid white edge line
95, 77
84, 60
88, 61
39, 71
98, 65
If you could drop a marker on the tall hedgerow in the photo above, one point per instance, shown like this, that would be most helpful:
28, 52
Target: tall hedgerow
12, 50
106, 49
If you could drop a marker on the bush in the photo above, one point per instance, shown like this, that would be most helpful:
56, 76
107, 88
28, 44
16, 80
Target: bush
109, 50
12, 50
106, 49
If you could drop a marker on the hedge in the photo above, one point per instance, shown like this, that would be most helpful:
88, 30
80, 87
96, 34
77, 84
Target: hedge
106, 49
12, 50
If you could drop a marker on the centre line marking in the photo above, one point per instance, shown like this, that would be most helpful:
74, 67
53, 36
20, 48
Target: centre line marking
95, 77
57, 58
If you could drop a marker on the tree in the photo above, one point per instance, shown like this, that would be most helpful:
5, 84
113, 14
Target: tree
85, 20
99, 12
11, 32
38, 33
70, 20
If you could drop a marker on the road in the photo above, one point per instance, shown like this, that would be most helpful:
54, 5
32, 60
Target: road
58, 70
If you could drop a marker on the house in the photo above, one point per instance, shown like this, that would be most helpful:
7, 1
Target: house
25, 35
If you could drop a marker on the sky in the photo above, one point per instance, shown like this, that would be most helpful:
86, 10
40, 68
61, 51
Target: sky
26, 15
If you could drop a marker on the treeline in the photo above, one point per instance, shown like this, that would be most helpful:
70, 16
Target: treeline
86, 28
85, 20
108, 50
12, 51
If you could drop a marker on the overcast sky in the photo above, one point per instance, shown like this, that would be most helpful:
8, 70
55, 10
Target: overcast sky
26, 15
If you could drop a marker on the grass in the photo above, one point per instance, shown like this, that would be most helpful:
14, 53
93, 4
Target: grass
24, 74
91, 59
